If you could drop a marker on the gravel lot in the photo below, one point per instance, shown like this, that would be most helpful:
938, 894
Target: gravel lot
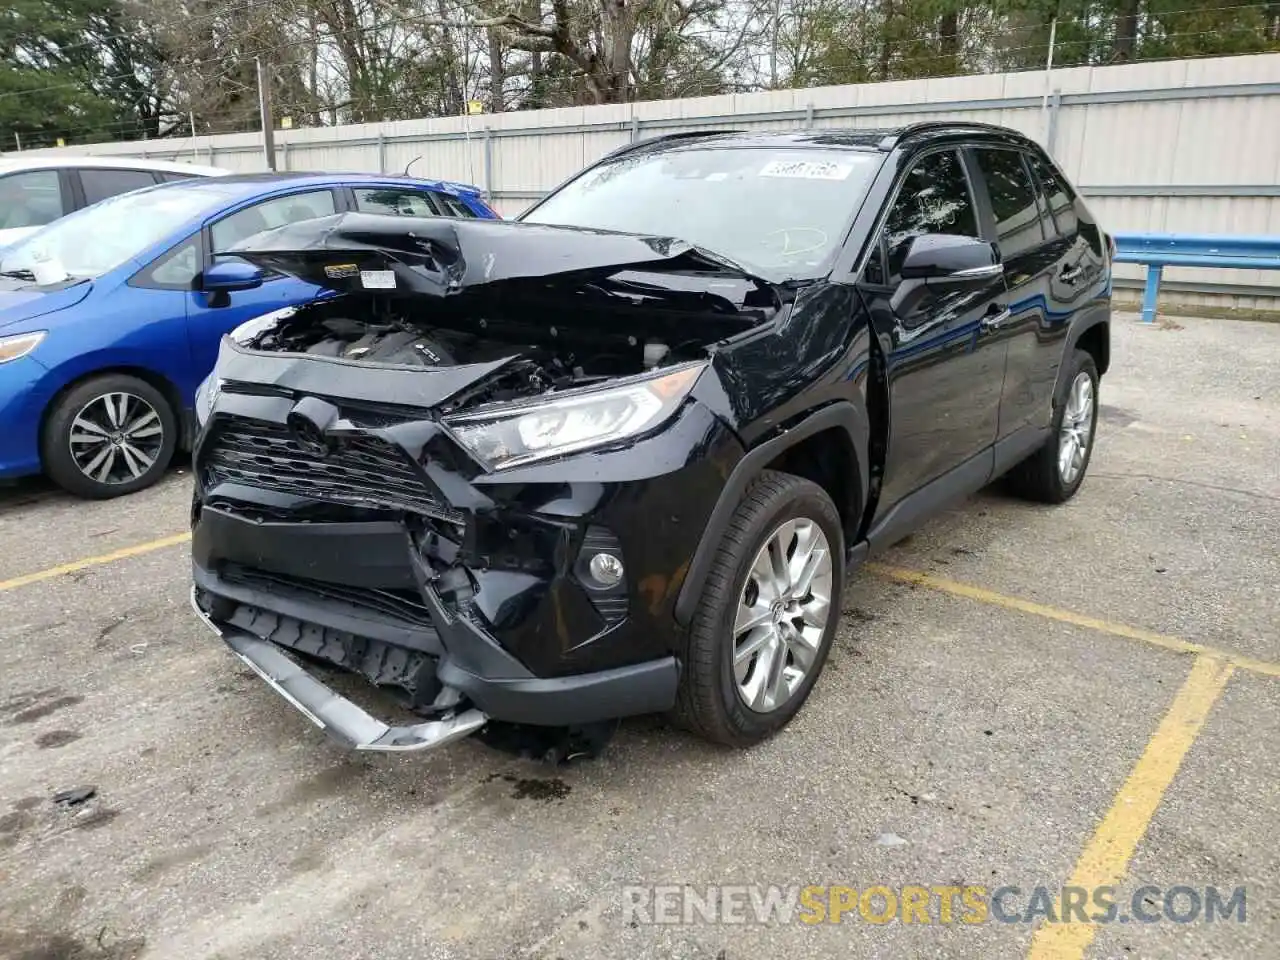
987, 715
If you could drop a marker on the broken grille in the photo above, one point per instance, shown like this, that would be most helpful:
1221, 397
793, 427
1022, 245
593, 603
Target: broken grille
361, 472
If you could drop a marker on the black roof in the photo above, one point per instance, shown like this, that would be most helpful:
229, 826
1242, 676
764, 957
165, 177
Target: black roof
838, 138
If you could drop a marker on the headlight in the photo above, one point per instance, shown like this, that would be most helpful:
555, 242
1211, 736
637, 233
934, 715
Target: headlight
252, 329
523, 433
206, 394
12, 348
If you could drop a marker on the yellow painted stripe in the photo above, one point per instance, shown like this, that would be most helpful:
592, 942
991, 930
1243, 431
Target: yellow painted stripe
1105, 860
982, 595
76, 565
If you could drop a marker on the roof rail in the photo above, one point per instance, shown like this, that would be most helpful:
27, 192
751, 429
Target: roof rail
891, 140
664, 138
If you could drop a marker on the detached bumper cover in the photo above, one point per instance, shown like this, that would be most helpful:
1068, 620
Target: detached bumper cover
642, 688
336, 715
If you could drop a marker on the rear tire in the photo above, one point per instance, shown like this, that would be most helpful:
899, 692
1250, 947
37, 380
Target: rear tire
741, 683
109, 436
1055, 472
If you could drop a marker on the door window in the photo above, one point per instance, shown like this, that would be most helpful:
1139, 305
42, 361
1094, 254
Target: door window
269, 214
30, 199
100, 184
1013, 201
1058, 195
452, 206
934, 198
388, 200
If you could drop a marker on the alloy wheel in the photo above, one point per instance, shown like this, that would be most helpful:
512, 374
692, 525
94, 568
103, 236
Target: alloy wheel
1076, 430
782, 613
116, 438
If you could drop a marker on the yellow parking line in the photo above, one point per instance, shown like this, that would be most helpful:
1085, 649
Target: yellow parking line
77, 565
982, 595
1105, 859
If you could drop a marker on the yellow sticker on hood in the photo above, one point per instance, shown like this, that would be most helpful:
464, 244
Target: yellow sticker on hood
341, 271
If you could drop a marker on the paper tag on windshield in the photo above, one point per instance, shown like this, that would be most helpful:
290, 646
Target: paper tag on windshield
807, 169
48, 271
377, 279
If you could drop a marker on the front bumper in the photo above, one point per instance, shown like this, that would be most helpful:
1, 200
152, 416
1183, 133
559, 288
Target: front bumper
23, 396
473, 609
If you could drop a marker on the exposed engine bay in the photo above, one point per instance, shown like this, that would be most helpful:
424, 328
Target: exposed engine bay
557, 344
532, 368
552, 308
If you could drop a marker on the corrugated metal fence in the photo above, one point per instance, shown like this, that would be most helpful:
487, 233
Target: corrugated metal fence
1187, 146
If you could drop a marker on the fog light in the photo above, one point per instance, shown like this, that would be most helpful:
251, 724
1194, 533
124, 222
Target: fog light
606, 569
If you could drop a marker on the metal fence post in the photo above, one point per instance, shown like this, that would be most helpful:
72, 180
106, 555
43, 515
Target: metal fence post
808, 116
1051, 136
635, 129
382, 153
284, 153
1151, 292
488, 164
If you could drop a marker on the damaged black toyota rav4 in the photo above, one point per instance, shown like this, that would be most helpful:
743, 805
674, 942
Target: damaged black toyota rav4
618, 457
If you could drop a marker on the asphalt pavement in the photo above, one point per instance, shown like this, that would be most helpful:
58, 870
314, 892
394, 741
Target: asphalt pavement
1019, 697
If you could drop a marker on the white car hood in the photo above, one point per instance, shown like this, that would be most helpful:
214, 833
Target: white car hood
14, 234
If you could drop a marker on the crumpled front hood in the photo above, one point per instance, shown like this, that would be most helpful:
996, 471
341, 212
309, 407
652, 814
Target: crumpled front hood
439, 256
21, 301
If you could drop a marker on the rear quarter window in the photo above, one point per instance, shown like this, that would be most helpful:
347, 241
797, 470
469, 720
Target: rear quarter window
1058, 195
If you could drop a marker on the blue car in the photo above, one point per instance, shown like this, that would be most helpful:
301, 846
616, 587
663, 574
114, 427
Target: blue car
111, 317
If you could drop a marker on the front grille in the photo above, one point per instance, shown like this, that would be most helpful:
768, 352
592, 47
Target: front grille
361, 472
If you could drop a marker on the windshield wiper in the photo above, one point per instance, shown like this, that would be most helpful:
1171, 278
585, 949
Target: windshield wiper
19, 275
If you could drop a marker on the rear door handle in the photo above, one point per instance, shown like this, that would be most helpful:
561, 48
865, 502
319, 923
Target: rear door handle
997, 319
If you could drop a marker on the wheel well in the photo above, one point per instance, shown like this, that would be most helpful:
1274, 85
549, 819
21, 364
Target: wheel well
166, 388
828, 459
1096, 341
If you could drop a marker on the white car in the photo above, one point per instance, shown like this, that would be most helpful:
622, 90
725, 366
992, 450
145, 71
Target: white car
39, 190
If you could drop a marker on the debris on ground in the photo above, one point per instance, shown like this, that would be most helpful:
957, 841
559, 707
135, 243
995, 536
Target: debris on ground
75, 796
889, 840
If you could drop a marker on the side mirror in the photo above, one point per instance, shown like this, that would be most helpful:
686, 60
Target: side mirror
942, 260
228, 276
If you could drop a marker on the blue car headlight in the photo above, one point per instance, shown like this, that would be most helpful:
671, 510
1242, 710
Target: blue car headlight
19, 345
206, 394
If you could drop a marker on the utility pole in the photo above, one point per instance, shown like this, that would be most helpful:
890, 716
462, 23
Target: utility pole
264, 108
1048, 74
18, 140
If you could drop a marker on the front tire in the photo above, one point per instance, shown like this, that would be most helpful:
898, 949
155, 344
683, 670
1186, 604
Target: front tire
1055, 472
109, 436
763, 627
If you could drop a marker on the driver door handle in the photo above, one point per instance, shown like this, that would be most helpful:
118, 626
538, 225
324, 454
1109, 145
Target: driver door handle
996, 317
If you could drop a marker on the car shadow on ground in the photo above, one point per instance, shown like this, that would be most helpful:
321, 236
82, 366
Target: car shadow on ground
29, 491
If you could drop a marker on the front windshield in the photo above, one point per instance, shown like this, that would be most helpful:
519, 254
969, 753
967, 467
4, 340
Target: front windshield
778, 212
97, 239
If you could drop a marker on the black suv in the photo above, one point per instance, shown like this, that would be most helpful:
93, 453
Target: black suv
618, 457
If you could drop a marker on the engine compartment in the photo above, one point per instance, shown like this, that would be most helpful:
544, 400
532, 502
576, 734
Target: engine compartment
546, 348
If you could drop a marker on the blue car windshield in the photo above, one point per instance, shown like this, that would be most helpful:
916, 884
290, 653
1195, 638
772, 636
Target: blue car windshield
97, 239
780, 213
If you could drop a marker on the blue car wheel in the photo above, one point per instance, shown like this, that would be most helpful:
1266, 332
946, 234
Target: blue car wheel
111, 435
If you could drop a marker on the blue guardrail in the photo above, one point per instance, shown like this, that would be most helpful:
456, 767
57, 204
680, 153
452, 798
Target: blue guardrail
1160, 250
